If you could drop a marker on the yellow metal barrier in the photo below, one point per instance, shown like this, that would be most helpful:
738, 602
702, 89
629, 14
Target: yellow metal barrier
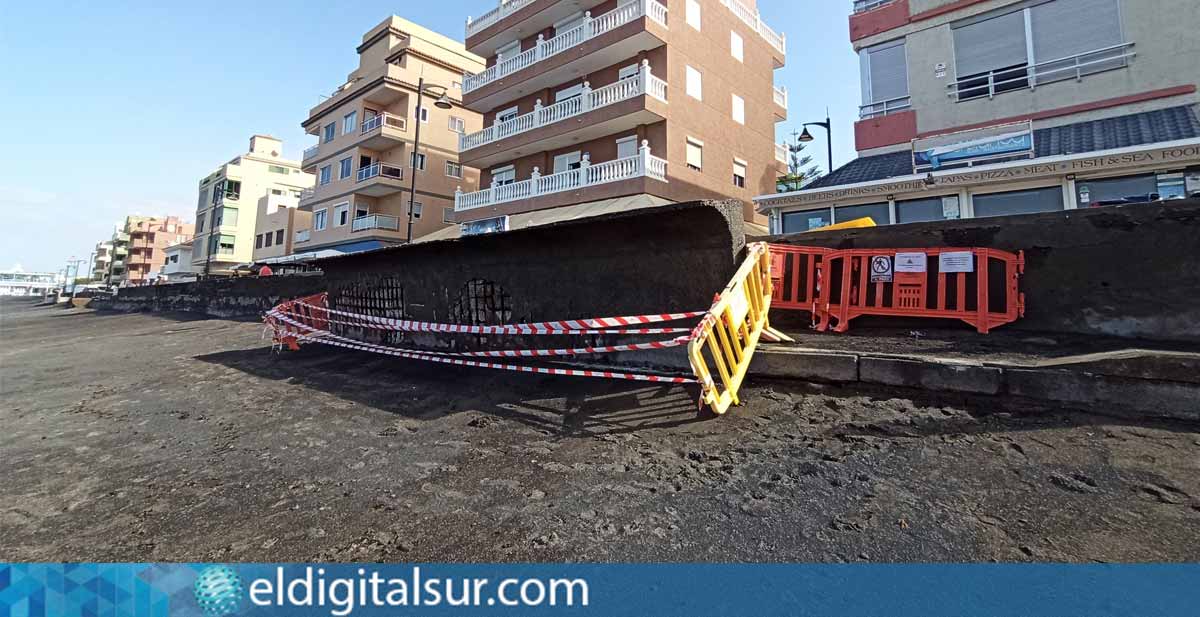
865, 221
729, 333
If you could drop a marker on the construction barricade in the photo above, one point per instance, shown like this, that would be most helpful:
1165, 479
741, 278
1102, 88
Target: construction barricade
726, 338
975, 285
794, 271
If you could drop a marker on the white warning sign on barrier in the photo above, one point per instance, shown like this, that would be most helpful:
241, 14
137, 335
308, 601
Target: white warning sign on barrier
956, 261
910, 262
881, 269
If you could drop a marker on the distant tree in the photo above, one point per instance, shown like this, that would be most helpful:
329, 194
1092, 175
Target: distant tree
801, 169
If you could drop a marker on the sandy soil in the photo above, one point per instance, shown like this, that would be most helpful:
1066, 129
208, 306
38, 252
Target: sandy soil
167, 438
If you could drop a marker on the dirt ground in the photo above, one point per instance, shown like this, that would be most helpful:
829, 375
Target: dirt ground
168, 438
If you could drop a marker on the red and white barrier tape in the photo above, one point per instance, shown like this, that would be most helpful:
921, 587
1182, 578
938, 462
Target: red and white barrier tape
513, 329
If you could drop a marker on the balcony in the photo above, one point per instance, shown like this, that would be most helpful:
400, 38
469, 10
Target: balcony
379, 179
862, 6
543, 50
490, 18
781, 153
308, 193
553, 119
311, 152
1030, 77
375, 221
382, 131
303, 235
751, 18
640, 165
883, 108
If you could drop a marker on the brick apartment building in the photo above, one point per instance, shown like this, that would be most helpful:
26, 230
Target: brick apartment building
974, 108
143, 241
601, 104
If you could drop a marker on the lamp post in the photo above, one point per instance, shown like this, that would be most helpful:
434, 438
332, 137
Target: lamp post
443, 102
806, 137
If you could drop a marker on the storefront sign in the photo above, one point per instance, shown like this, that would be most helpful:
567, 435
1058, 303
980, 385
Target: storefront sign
991, 147
910, 262
956, 261
881, 269
485, 226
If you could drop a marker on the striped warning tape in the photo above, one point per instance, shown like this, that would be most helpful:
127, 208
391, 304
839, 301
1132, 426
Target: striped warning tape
512, 329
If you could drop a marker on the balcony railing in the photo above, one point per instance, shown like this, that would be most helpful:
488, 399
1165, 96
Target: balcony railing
380, 169
303, 235
751, 18
308, 193
641, 83
883, 108
591, 28
1029, 77
384, 119
375, 221
505, 8
781, 153
862, 6
311, 152
639, 165
780, 96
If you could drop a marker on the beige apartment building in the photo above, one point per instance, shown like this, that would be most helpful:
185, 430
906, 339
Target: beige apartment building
228, 206
101, 260
365, 162
603, 104
143, 241
976, 108
279, 217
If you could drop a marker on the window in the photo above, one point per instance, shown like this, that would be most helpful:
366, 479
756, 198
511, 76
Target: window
458, 125
627, 147
345, 167
278, 169
693, 14
568, 93
504, 175
884, 72
416, 209
739, 173
454, 170
258, 241
568, 161
326, 174
268, 238
278, 236
695, 154
794, 222
320, 219
423, 114
1048, 199
200, 224
570, 23
695, 87
1126, 189
350, 123
735, 46
276, 192
922, 210
628, 72
330, 131
506, 115
447, 215
225, 216
341, 214
880, 214
505, 52
418, 161
739, 109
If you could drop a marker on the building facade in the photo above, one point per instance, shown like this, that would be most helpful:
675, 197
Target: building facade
101, 260
144, 239
177, 264
228, 204
364, 161
279, 217
974, 108
18, 282
596, 101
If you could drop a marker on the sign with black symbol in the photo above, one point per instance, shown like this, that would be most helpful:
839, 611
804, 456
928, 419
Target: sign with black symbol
910, 262
881, 269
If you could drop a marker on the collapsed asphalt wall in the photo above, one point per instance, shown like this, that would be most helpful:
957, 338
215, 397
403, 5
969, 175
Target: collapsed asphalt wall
1130, 271
229, 298
655, 260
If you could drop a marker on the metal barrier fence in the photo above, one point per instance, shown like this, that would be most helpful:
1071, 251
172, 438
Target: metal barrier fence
794, 271
729, 333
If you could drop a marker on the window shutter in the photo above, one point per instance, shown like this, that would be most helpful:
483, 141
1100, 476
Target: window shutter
739, 168
991, 44
1059, 32
887, 74
695, 154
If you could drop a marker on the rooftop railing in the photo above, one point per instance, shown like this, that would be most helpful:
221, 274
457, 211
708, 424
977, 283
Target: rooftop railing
751, 18
504, 9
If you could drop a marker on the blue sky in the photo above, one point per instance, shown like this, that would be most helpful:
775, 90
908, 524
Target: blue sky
119, 108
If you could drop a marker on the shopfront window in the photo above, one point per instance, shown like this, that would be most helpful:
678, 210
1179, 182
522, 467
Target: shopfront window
795, 222
879, 213
923, 210
1049, 199
1112, 191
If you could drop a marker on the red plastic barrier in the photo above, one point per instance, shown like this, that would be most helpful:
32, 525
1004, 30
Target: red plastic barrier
875, 282
794, 276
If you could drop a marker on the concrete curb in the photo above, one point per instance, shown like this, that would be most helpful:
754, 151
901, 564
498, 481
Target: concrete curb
1150, 397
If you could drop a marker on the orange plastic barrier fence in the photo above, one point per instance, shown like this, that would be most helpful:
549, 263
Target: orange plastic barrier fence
976, 285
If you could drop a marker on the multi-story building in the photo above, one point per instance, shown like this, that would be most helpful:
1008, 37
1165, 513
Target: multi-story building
365, 161
976, 108
228, 205
145, 239
18, 282
278, 219
177, 264
588, 101
102, 260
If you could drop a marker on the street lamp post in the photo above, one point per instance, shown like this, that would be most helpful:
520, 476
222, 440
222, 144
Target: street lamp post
443, 102
806, 137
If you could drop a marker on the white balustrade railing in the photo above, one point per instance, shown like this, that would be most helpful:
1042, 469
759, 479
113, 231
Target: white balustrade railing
780, 95
781, 153
380, 169
504, 9
589, 29
641, 83
642, 164
375, 221
303, 235
384, 119
751, 18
